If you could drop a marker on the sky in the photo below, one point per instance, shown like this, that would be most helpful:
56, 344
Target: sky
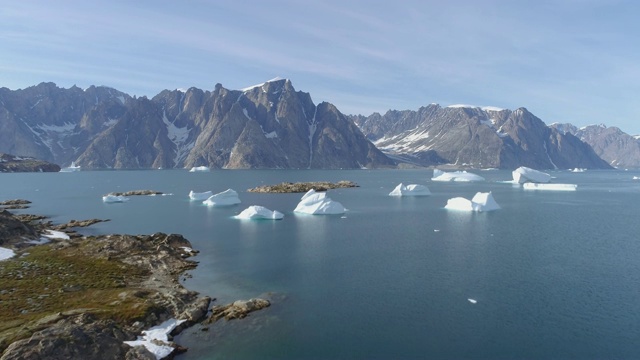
575, 61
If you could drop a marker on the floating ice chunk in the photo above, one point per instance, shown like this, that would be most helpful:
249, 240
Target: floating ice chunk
636, 178
578, 170
72, 168
473, 301
156, 339
439, 175
199, 169
318, 203
410, 190
199, 195
114, 199
480, 202
225, 198
6, 253
256, 212
553, 187
52, 234
523, 174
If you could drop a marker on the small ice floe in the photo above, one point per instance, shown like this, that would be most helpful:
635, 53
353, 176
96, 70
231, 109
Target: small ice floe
156, 339
480, 202
200, 195
551, 187
473, 301
410, 190
578, 170
318, 203
439, 175
636, 178
225, 198
436, 230
256, 212
199, 169
6, 253
114, 199
524, 174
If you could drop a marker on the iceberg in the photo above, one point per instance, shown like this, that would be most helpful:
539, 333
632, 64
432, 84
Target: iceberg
6, 253
553, 187
523, 174
256, 212
114, 199
199, 169
318, 203
439, 175
578, 170
156, 339
225, 198
480, 202
410, 190
199, 195
72, 168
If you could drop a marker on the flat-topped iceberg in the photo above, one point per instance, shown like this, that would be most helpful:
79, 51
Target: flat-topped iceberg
225, 198
552, 187
480, 202
114, 199
524, 174
578, 170
410, 190
156, 339
439, 175
199, 169
318, 203
257, 212
200, 195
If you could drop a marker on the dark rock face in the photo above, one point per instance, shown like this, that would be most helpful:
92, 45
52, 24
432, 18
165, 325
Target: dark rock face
613, 145
12, 163
267, 126
475, 137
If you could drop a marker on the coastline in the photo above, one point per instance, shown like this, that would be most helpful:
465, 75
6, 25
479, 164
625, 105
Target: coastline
82, 296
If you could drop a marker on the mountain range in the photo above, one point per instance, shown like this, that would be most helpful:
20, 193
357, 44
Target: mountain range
271, 125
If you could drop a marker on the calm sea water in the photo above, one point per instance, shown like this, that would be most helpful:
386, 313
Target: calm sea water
554, 274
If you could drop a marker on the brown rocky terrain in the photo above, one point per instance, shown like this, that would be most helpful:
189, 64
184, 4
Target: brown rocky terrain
287, 187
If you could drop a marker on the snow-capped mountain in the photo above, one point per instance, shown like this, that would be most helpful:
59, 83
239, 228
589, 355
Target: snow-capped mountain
269, 125
613, 145
465, 135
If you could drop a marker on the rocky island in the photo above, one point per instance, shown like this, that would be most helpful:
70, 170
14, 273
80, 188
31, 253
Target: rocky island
12, 163
302, 187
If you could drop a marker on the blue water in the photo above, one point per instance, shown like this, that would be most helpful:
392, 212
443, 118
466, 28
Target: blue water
555, 274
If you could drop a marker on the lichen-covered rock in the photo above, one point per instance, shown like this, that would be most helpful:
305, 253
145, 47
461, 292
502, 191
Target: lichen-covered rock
238, 309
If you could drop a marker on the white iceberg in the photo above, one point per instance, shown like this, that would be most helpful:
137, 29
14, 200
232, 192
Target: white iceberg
553, 187
410, 190
480, 202
114, 199
225, 198
439, 175
256, 212
156, 339
523, 174
578, 170
6, 253
199, 169
72, 168
199, 195
318, 203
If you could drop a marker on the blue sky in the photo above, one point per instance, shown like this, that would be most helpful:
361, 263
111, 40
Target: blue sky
572, 61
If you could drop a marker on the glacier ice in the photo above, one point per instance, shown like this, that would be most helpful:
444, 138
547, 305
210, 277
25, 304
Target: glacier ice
200, 195
199, 169
71, 168
6, 253
524, 174
552, 187
114, 199
480, 202
225, 198
439, 175
410, 190
257, 212
156, 339
318, 203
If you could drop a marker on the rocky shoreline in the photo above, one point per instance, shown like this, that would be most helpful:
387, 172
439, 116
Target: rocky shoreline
83, 296
12, 163
302, 187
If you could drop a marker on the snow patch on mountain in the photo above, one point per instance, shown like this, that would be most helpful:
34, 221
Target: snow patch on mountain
179, 137
277, 78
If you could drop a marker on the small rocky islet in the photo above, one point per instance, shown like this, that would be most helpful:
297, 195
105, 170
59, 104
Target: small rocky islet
83, 296
302, 187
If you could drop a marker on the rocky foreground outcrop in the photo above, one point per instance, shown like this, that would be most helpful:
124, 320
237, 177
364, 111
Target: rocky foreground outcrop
81, 298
